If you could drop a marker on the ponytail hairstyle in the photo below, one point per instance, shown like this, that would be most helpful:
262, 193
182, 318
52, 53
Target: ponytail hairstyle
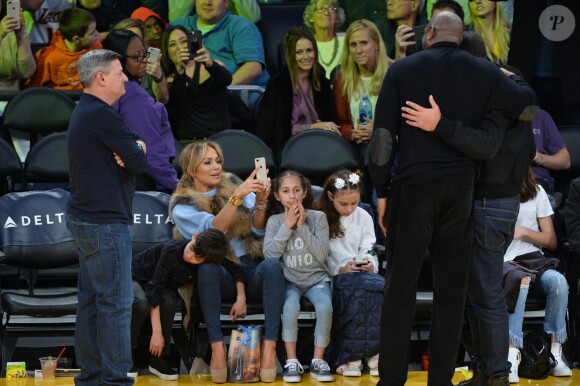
341, 180
275, 206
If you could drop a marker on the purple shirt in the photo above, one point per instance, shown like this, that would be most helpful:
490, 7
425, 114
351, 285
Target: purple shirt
303, 110
548, 141
148, 118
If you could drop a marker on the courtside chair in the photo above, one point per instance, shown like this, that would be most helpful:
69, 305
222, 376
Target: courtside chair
151, 222
10, 167
241, 149
46, 164
34, 237
38, 111
317, 153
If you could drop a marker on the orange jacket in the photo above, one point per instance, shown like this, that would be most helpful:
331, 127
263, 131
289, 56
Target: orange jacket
56, 66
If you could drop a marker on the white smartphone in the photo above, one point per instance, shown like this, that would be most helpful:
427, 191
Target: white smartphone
262, 174
13, 10
153, 54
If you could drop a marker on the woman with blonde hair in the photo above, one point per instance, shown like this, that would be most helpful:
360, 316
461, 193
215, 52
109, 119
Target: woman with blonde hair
323, 17
207, 197
490, 22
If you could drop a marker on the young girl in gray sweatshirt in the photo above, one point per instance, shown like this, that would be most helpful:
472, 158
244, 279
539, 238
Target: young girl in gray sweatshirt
298, 237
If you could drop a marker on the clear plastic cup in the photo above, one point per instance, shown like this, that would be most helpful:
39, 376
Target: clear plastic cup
48, 364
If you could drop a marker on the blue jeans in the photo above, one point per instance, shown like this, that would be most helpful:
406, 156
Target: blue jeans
553, 285
493, 230
321, 298
105, 296
264, 283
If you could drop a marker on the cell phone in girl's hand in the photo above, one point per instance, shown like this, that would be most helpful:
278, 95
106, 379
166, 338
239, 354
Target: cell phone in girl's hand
262, 174
153, 54
193, 43
361, 263
13, 10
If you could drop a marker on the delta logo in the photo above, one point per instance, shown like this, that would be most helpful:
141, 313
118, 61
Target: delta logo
36, 220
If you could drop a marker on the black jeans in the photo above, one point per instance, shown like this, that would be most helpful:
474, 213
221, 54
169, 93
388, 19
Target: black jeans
142, 310
434, 216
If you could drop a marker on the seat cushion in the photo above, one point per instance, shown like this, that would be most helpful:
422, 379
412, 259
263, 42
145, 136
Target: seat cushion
40, 305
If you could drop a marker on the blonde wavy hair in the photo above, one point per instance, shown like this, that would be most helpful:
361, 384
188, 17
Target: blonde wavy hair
501, 34
351, 78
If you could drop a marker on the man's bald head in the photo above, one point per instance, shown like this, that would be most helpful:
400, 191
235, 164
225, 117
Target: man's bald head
443, 27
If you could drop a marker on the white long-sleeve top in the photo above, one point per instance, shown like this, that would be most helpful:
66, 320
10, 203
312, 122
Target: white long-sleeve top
359, 238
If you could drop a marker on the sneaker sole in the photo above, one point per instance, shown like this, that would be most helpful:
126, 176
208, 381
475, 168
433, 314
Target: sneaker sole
351, 373
322, 378
165, 377
292, 379
132, 374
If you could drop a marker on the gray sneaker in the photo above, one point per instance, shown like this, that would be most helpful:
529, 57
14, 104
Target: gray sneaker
320, 370
292, 370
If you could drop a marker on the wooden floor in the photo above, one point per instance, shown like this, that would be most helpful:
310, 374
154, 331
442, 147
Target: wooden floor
416, 378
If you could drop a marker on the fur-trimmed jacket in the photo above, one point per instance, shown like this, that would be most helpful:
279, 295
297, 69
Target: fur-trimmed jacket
241, 226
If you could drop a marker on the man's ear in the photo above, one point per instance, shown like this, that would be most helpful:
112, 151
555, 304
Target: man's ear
100, 78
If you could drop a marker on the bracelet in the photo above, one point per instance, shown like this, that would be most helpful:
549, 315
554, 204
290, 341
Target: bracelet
262, 207
160, 79
235, 200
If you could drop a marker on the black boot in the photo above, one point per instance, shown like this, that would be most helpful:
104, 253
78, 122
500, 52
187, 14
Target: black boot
478, 378
497, 381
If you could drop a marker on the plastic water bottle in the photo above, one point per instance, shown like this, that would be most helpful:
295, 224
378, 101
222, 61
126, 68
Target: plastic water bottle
365, 109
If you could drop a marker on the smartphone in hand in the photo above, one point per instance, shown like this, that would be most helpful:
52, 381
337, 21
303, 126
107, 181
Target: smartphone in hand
262, 174
419, 31
13, 10
193, 43
153, 54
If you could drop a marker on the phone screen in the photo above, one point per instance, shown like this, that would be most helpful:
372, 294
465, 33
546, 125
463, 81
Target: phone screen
194, 40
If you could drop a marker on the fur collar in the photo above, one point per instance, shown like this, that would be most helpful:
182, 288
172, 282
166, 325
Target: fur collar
241, 227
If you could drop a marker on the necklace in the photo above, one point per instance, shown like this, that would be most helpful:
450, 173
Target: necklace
334, 52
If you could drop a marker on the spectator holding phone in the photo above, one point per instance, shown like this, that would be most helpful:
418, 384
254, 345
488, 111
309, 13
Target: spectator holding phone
357, 289
143, 114
207, 197
402, 15
16, 59
154, 81
198, 84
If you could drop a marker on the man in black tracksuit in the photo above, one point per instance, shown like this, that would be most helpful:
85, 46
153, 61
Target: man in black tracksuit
430, 199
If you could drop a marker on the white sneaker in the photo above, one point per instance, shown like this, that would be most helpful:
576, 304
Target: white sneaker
350, 369
561, 369
514, 357
373, 364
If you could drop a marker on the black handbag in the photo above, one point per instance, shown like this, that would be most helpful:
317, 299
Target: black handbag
537, 359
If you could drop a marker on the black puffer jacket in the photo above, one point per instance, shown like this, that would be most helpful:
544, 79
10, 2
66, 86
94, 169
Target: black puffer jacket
356, 300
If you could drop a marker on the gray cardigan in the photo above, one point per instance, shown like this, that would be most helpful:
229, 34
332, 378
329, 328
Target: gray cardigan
303, 251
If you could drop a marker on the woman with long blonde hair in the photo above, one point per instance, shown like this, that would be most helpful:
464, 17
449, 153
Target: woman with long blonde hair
490, 22
364, 65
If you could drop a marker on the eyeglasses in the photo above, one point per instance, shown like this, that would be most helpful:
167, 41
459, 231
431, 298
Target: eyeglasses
323, 10
139, 58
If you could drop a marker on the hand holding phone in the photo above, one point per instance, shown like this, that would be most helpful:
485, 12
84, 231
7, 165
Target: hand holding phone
13, 10
262, 174
153, 54
193, 43
419, 31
